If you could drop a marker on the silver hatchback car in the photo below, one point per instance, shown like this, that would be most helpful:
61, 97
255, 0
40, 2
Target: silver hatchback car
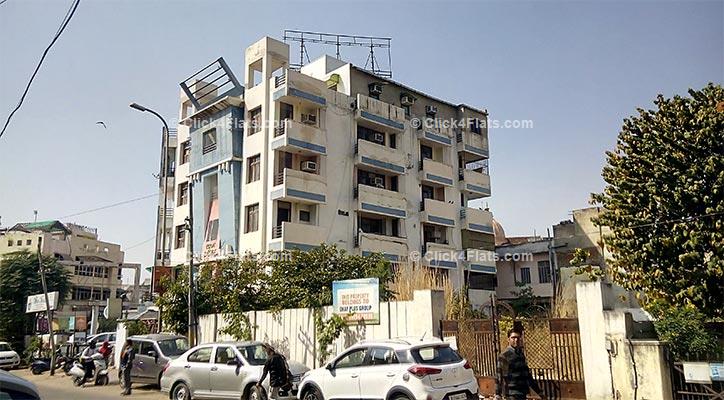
221, 370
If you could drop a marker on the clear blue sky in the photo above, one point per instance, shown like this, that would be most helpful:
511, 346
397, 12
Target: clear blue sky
574, 68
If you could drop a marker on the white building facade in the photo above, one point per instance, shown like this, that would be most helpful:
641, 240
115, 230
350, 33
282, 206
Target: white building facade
330, 154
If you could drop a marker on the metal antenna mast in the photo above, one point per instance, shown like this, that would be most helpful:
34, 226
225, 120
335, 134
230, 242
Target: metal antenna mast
339, 40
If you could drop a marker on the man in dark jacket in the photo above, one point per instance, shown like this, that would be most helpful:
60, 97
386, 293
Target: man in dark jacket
514, 379
276, 367
127, 356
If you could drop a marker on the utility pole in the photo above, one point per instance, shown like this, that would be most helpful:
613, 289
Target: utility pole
48, 311
190, 260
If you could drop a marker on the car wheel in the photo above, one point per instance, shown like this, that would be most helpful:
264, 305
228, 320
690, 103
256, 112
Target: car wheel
312, 394
181, 392
256, 393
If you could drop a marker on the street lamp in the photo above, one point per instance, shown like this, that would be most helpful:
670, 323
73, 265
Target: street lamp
191, 315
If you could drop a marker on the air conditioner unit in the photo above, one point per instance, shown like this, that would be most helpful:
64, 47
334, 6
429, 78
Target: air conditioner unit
378, 137
431, 110
309, 119
309, 166
375, 89
379, 182
407, 100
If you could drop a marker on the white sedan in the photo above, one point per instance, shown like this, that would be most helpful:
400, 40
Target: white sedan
221, 370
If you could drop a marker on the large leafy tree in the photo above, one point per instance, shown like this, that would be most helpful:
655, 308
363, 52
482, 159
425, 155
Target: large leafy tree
664, 201
20, 278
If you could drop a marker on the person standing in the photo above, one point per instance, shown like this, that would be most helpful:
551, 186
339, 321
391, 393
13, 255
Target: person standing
127, 356
276, 367
514, 379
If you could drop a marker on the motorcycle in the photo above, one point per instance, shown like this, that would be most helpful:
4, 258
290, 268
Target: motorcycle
40, 365
100, 377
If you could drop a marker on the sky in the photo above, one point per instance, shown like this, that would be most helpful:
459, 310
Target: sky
575, 69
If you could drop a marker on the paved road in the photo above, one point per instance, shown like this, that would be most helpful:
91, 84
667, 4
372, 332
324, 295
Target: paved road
60, 387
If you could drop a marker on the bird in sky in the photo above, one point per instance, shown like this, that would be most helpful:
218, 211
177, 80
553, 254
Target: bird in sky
102, 123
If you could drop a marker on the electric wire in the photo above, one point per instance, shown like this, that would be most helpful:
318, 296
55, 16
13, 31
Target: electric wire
109, 206
63, 25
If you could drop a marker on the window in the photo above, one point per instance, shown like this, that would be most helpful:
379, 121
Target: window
370, 225
10, 243
407, 110
180, 236
19, 243
254, 354
254, 168
209, 141
370, 135
304, 216
252, 218
395, 227
382, 356
255, 121
213, 232
202, 355
224, 355
481, 281
28, 242
476, 126
354, 358
544, 272
428, 192
393, 141
145, 348
425, 152
524, 275
185, 152
183, 193
435, 355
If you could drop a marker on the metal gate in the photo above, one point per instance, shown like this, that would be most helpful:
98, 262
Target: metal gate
694, 391
552, 348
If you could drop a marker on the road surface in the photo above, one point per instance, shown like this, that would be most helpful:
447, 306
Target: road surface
60, 387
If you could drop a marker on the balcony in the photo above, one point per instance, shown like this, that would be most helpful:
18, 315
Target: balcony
438, 212
382, 116
288, 236
474, 146
393, 248
440, 255
436, 135
380, 158
476, 220
475, 184
299, 186
381, 201
436, 173
481, 261
295, 87
296, 137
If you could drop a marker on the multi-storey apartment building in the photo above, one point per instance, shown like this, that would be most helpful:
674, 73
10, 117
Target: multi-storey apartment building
333, 154
166, 201
95, 266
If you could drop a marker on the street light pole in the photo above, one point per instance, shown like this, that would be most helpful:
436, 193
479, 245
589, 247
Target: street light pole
48, 311
164, 171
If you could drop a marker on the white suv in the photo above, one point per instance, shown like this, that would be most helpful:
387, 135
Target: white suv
395, 369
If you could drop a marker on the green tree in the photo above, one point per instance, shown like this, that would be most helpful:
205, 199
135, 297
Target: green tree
174, 302
20, 278
664, 201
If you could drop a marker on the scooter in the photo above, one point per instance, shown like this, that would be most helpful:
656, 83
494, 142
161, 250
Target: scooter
101, 371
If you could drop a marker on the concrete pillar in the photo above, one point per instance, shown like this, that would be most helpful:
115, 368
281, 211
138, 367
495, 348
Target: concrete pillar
592, 326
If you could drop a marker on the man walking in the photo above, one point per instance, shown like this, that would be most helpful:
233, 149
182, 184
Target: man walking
127, 356
276, 367
514, 379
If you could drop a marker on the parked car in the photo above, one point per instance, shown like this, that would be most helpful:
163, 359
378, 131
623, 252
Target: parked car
8, 357
399, 369
222, 370
102, 337
153, 352
16, 388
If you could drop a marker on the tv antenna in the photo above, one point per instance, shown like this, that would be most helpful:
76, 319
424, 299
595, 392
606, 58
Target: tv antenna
372, 64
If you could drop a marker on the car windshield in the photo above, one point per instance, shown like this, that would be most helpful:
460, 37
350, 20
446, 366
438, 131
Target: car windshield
5, 347
254, 354
173, 347
435, 355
